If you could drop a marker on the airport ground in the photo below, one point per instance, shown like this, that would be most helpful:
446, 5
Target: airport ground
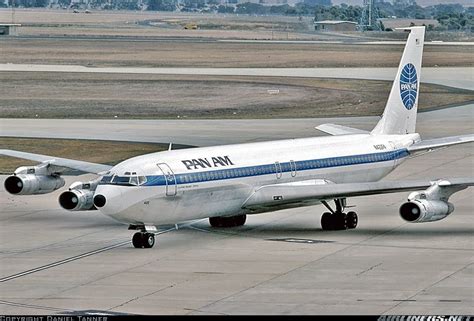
85, 150
196, 52
278, 263
85, 95
148, 96
157, 39
54, 261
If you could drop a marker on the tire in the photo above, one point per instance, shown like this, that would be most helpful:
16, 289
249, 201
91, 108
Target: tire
326, 221
215, 221
240, 220
148, 240
137, 240
340, 221
352, 220
232, 221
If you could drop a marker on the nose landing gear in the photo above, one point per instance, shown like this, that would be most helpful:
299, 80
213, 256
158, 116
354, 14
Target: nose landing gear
143, 240
338, 220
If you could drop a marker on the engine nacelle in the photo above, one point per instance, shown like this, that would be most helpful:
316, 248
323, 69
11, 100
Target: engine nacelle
29, 184
423, 210
79, 197
77, 200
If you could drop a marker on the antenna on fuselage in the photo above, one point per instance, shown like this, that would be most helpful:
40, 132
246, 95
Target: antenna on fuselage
170, 146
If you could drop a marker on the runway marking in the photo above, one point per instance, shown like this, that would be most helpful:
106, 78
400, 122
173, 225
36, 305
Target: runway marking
31, 306
246, 233
297, 240
73, 258
425, 288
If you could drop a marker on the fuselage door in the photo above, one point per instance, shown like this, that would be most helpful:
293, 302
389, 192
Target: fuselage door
293, 168
170, 179
278, 170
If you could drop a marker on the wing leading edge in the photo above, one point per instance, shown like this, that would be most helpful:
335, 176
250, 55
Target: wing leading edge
281, 195
59, 162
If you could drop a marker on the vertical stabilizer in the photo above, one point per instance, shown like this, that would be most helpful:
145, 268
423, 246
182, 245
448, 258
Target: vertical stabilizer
399, 116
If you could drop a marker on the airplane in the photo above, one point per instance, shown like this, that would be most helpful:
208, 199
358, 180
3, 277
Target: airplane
227, 183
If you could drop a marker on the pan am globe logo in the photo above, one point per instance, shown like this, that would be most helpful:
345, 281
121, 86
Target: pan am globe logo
408, 86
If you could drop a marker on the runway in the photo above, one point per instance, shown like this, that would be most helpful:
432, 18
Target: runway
217, 132
459, 77
54, 261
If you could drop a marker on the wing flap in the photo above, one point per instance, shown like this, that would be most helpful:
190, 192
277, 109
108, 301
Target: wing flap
60, 163
334, 129
279, 195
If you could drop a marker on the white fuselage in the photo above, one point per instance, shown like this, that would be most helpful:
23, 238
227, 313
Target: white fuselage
216, 181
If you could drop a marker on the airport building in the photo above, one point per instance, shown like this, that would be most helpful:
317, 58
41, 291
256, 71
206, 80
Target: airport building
333, 25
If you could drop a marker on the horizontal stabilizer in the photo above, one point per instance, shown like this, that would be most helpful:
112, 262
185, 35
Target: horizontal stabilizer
334, 129
426, 145
58, 161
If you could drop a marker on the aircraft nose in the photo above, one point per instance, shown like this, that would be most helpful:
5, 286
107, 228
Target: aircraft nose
108, 199
99, 200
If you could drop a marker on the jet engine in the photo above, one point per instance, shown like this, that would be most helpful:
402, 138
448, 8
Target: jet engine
420, 211
79, 197
33, 180
430, 205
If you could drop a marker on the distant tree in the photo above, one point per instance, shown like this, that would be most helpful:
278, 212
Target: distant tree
161, 5
64, 3
225, 9
348, 13
250, 8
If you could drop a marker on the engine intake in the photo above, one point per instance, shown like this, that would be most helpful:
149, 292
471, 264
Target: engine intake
422, 210
77, 200
29, 184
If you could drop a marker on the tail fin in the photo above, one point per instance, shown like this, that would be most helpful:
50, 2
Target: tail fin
399, 116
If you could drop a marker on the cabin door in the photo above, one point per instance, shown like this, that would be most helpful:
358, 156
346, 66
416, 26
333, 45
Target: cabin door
170, 179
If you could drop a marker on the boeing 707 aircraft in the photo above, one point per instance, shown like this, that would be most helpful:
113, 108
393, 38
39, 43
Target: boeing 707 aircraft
226, 183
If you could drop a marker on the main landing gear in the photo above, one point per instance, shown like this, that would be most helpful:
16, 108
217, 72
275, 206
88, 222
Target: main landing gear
338, 220
232, 221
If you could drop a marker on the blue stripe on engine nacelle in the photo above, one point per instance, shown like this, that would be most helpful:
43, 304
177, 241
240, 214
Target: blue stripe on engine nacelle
287, 167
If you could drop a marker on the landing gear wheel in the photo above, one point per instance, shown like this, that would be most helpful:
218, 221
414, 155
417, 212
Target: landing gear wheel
137, 240
143, 240
352, 220
340, 221
232, 221
240, 220
326, 221
148, 240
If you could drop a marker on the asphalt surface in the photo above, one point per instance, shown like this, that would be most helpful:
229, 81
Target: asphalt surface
54, 261
459, 77
218, 132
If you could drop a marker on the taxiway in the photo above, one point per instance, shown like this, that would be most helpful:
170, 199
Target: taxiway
54, 261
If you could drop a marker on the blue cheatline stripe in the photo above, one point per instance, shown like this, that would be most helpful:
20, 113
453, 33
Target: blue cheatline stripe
288, 167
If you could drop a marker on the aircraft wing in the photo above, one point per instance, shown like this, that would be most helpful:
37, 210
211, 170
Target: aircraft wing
429, 144
313, 191
59, 163
334, 129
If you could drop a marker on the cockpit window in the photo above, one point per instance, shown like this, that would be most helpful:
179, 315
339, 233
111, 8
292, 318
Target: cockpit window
141, 180
134, 180
121, 180
106, 179
125, 180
